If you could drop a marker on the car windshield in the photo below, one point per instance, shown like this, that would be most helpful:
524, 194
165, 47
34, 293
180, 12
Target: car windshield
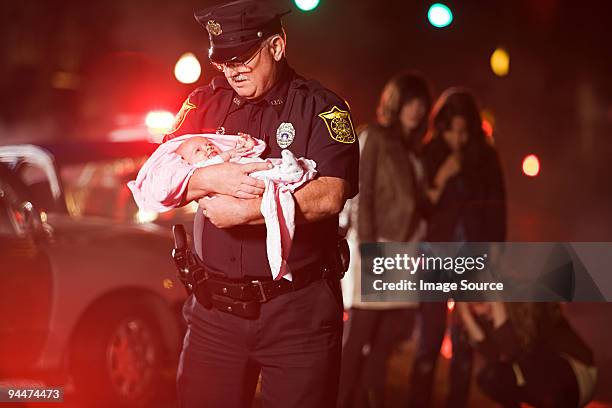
100, 189
87, 180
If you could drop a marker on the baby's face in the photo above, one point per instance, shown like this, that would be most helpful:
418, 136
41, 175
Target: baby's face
197, 149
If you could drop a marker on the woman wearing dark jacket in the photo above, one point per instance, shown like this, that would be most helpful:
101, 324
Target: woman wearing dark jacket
532, 354
388, 209
466, 204
466, 190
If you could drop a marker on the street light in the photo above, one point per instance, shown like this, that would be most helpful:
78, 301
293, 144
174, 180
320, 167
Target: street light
439, 15
307, 5
531, 165
500, 62
187, 69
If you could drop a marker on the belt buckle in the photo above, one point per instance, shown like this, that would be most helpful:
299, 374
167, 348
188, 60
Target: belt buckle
261, 290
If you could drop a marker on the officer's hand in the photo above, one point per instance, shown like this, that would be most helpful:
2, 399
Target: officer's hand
225, 211
233, 179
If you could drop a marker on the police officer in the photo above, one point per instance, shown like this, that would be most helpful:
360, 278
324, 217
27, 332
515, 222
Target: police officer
242, 323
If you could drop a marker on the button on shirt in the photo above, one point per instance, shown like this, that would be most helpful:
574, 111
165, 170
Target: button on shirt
240, 251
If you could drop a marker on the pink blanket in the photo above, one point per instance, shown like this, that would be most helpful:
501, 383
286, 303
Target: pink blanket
163, 179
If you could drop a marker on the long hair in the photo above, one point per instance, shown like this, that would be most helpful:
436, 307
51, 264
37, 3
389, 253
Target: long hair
529, 320
399, 90
457, 102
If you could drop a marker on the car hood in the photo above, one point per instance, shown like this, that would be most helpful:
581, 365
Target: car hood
99, 227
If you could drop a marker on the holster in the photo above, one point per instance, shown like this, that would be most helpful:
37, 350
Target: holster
189, 270
341, 257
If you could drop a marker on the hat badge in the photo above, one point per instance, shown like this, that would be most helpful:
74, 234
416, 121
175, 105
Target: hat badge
213, 27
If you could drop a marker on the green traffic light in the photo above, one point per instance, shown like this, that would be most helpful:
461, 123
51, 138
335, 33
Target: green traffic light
439, 15
307, 5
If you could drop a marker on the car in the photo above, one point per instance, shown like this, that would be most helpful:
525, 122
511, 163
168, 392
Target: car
88, 293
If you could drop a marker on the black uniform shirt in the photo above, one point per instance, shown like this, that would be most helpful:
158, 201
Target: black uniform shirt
323, 132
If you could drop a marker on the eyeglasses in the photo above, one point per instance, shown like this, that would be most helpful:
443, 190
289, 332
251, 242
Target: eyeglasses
240, 65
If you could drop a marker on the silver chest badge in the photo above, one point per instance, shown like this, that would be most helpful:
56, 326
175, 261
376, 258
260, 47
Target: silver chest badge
285, 134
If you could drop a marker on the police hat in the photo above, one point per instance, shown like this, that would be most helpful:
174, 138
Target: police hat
238, 27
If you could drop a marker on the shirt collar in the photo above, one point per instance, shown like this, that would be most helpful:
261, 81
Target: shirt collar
276, 96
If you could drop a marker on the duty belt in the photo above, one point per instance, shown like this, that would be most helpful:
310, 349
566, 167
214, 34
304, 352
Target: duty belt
262, 291
244, 297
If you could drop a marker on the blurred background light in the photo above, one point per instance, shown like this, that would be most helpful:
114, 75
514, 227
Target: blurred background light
143, 217
167, 283
187, 69
531, 165
439, 15
488, 123
306, 5
487, 127
159, 122
447, 347
64, 80
500, 62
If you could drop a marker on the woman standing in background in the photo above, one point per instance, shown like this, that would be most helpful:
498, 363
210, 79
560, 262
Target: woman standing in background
467, 204
388, 209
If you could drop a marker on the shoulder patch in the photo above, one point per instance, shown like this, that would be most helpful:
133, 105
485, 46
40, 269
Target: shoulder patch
339, 125
179, 119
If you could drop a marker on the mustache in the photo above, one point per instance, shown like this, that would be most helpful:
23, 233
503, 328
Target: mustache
239, 77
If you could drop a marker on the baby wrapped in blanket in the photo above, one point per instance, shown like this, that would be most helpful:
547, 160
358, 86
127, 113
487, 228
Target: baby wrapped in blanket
163, 179
201, 151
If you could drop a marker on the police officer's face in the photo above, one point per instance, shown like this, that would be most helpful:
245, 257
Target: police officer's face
254, 78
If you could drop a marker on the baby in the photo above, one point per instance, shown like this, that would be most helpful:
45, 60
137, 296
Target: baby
161, 183
198, 150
